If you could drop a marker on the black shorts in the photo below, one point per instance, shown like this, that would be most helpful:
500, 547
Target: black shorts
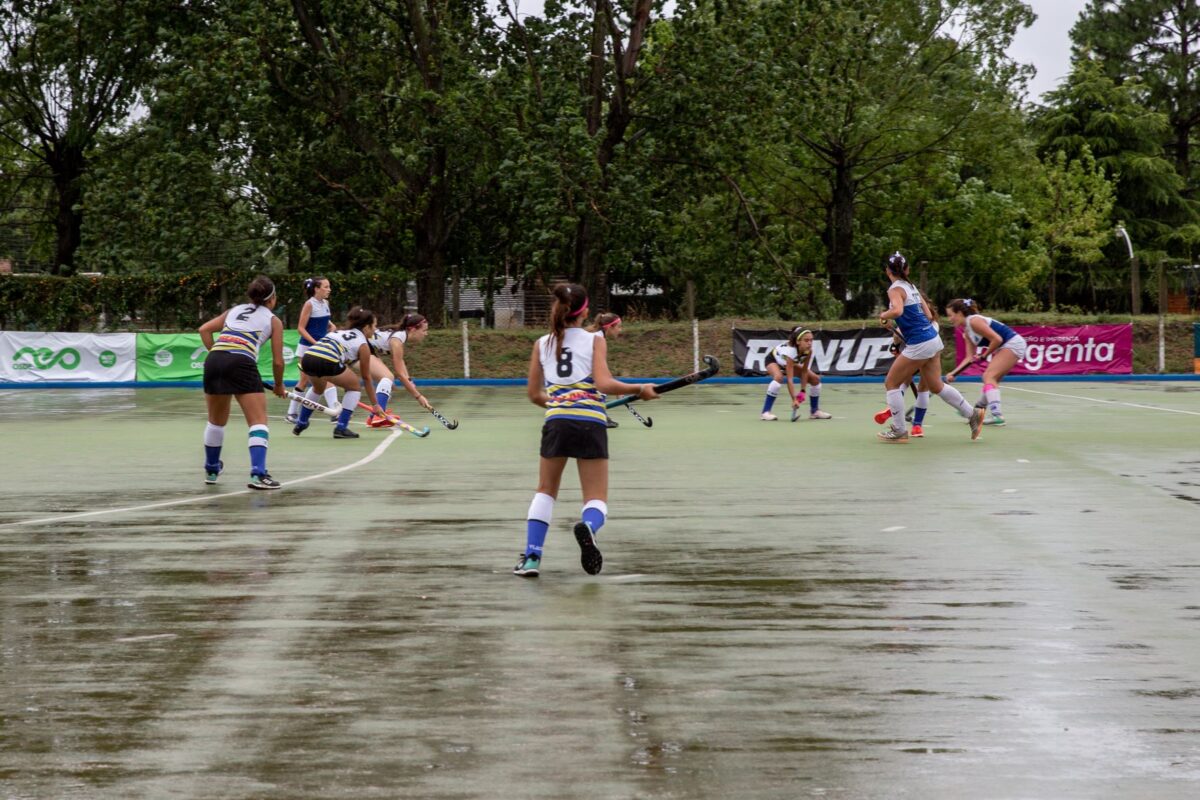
573, 438
317, 367
226, 372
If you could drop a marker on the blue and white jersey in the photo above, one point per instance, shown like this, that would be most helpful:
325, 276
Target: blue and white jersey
246, 328
1006, 333
340, 347
914, 326
381, 342
318, 320
568, 372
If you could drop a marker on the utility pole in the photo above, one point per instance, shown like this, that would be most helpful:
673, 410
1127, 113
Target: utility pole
1135, 278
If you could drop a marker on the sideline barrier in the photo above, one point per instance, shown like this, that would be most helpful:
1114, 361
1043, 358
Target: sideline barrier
176, 357
84, 358
1060, 350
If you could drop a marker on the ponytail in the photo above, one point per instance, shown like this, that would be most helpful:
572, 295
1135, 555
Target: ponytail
360, 318
965, 306
570, 302
261, 290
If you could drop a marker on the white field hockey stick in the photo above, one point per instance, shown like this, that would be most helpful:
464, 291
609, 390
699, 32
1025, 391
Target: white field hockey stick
419, 433
309, 404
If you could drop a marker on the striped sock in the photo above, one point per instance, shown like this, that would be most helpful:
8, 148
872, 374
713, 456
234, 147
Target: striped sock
258, 449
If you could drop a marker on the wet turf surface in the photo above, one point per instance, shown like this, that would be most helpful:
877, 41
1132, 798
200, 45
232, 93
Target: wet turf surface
786, 610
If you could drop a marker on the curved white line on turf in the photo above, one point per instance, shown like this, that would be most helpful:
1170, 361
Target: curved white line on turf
367, 459
1009, 388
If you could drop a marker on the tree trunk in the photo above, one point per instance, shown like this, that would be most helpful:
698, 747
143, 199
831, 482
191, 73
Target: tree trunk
68, 167
839, 233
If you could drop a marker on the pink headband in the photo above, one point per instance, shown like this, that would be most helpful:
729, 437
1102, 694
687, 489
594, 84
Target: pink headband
582, 310
609, 325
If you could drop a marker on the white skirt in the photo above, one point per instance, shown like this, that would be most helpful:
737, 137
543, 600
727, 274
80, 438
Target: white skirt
924, 350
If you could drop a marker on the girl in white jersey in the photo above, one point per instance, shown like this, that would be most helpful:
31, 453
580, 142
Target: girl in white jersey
784, 363
389, 342
568, 370
329, 361
231, 370
316, 320
921, 353
987, 337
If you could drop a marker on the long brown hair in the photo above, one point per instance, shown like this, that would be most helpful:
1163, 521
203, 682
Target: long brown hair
406, 323
360, 318
603, 321
260, 290
965, 306
570, 300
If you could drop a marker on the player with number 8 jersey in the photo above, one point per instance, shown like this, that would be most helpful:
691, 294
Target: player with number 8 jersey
568, 370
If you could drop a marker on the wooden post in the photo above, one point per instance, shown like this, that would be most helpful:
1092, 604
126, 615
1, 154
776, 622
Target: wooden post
690, 300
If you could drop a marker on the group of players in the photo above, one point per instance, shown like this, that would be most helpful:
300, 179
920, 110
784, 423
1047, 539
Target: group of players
918, 348
568, 376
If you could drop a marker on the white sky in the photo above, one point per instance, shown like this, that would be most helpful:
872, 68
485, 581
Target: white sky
1047, 43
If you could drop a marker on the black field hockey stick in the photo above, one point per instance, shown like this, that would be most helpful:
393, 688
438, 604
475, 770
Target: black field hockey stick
713, 367
647, 421
448, 424
954, 372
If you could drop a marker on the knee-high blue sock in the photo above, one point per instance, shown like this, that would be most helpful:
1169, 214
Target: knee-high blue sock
349, 403
772, 392
922, 407
214, 437
537, 523
306, 412
258, 449
383, 392
594, 514
814, 398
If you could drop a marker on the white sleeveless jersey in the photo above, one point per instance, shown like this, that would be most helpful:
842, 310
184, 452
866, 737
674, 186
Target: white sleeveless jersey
246, 328
779, 352
340, 346
381, 342
571, 373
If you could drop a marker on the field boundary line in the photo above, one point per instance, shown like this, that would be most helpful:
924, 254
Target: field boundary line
367, 459
1101, 400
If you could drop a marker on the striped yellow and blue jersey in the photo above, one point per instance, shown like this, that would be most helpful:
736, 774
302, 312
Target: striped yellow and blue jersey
340, 347
246, 328
570, 372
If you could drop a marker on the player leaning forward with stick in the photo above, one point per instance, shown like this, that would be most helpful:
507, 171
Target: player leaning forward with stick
231, 371
986, 337
568, 370
921, 353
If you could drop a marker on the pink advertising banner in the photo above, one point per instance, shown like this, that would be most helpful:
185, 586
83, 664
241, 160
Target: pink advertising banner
1056, 350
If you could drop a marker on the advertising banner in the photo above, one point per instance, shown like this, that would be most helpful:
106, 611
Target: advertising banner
1057, 350
853, 352
27, 357
180, 357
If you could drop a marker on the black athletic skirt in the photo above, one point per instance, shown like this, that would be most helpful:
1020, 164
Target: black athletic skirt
317, 367
226, 372
573, 438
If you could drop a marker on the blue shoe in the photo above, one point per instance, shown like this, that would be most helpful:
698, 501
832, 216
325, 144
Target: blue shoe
211, 472
589, 554
528, 566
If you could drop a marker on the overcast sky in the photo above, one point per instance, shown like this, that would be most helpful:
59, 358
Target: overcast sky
1047, 43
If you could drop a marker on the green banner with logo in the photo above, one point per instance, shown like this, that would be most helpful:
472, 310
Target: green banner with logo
180, 357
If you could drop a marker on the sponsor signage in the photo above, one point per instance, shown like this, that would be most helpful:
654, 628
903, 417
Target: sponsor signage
180, 357
853, 352
1057, 350
27, 357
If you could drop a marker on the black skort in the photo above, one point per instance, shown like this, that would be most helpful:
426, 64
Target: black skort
317, 367
573, 438
226, 372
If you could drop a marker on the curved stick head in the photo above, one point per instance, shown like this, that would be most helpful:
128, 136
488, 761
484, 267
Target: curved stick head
713, 364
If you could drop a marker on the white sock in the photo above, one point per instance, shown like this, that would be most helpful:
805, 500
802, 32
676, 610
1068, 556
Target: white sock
350, 400
922, 400
293, 407
214, 435
955, 400
773, 388
895, 403
330, 396
993, 400
541, 508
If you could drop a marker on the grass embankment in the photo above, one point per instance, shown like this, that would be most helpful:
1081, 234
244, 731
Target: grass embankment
665, 348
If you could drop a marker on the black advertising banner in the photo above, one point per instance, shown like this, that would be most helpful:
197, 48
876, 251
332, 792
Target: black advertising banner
846, 353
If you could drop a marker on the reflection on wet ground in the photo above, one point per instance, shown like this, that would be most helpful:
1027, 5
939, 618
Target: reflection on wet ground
840, 629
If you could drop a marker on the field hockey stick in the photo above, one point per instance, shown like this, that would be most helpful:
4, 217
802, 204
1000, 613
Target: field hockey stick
980, 357
309, 404
678, 383
647, 421
448, 424
419, 433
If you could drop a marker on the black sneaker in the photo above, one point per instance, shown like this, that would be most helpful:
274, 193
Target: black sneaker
344, 433
300, 428
589, 554
612, 423
264, 481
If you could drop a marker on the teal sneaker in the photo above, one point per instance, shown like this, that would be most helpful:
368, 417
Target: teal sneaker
528, 566
211, 473
996, 420
264, 481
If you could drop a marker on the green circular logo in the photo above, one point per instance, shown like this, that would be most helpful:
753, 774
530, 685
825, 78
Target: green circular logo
107, 358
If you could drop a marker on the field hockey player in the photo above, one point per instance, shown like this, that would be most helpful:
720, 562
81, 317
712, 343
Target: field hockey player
388, 343
784, 363
315, 321
1004, 346
329, 362
921, 353
568, 370
231, 371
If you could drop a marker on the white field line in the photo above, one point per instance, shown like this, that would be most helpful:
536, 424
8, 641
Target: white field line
1010, 388
367, 459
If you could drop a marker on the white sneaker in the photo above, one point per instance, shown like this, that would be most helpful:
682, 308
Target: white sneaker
768, 416
820, 415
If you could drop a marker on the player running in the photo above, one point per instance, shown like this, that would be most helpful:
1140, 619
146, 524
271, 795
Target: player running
794, 357
568, 369
1003, 346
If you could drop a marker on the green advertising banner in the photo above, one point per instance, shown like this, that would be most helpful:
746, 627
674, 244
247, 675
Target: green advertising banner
180, 357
